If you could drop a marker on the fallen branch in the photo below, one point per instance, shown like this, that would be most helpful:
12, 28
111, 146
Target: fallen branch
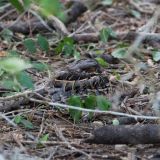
129, 36
126, 134
21, 94
24, 27
17, 100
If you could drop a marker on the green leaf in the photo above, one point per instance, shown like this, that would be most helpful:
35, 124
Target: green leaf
112, 33
118, 76
103, 103
43, 43
119, 53
106, 33
101, 61
136, 14
20, 120
90, 102
13, 65
68, 40
122, 45
68, 50
66, 46
156, 56
17, 5
75, 101
10, 84
17, 119
52, 7
26, 4
44, 138
40, 66
107, 2
99, 52
7, 34
1, 72
77, 55
27, 124
13, 53
30, 45
25, 80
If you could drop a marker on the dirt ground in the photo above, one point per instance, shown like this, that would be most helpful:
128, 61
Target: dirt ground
132, 84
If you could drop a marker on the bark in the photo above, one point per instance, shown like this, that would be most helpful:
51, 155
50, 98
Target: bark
126, 134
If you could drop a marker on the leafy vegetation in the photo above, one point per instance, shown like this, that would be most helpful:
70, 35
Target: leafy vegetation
84, 71
106, 33
13, 75
119, 53
32, 45
23, 121
90, 102
67, 47
46, 7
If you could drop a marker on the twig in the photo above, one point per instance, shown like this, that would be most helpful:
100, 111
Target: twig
136, 6
4, 7
94, 37
41, 126
7, 13
55, 22
8, 120
60, 135
140, 38
41, 20
21, 94
94, 111
43, 142
17, 20
52, 153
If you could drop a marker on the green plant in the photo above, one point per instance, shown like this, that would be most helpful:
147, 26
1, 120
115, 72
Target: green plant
21, 120
101, 62
120, 53
135, 13
44, 138
89, 102
18, 5
45, 7
106, 33
40, 42
6, 34
67, 47
75, 101
41, 140
13, 75
30, 45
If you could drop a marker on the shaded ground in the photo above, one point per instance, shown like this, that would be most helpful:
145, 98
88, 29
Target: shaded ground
129, 91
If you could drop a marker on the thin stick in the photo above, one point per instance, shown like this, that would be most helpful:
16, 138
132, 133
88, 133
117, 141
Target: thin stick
94, 111
21, 94
8, 120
